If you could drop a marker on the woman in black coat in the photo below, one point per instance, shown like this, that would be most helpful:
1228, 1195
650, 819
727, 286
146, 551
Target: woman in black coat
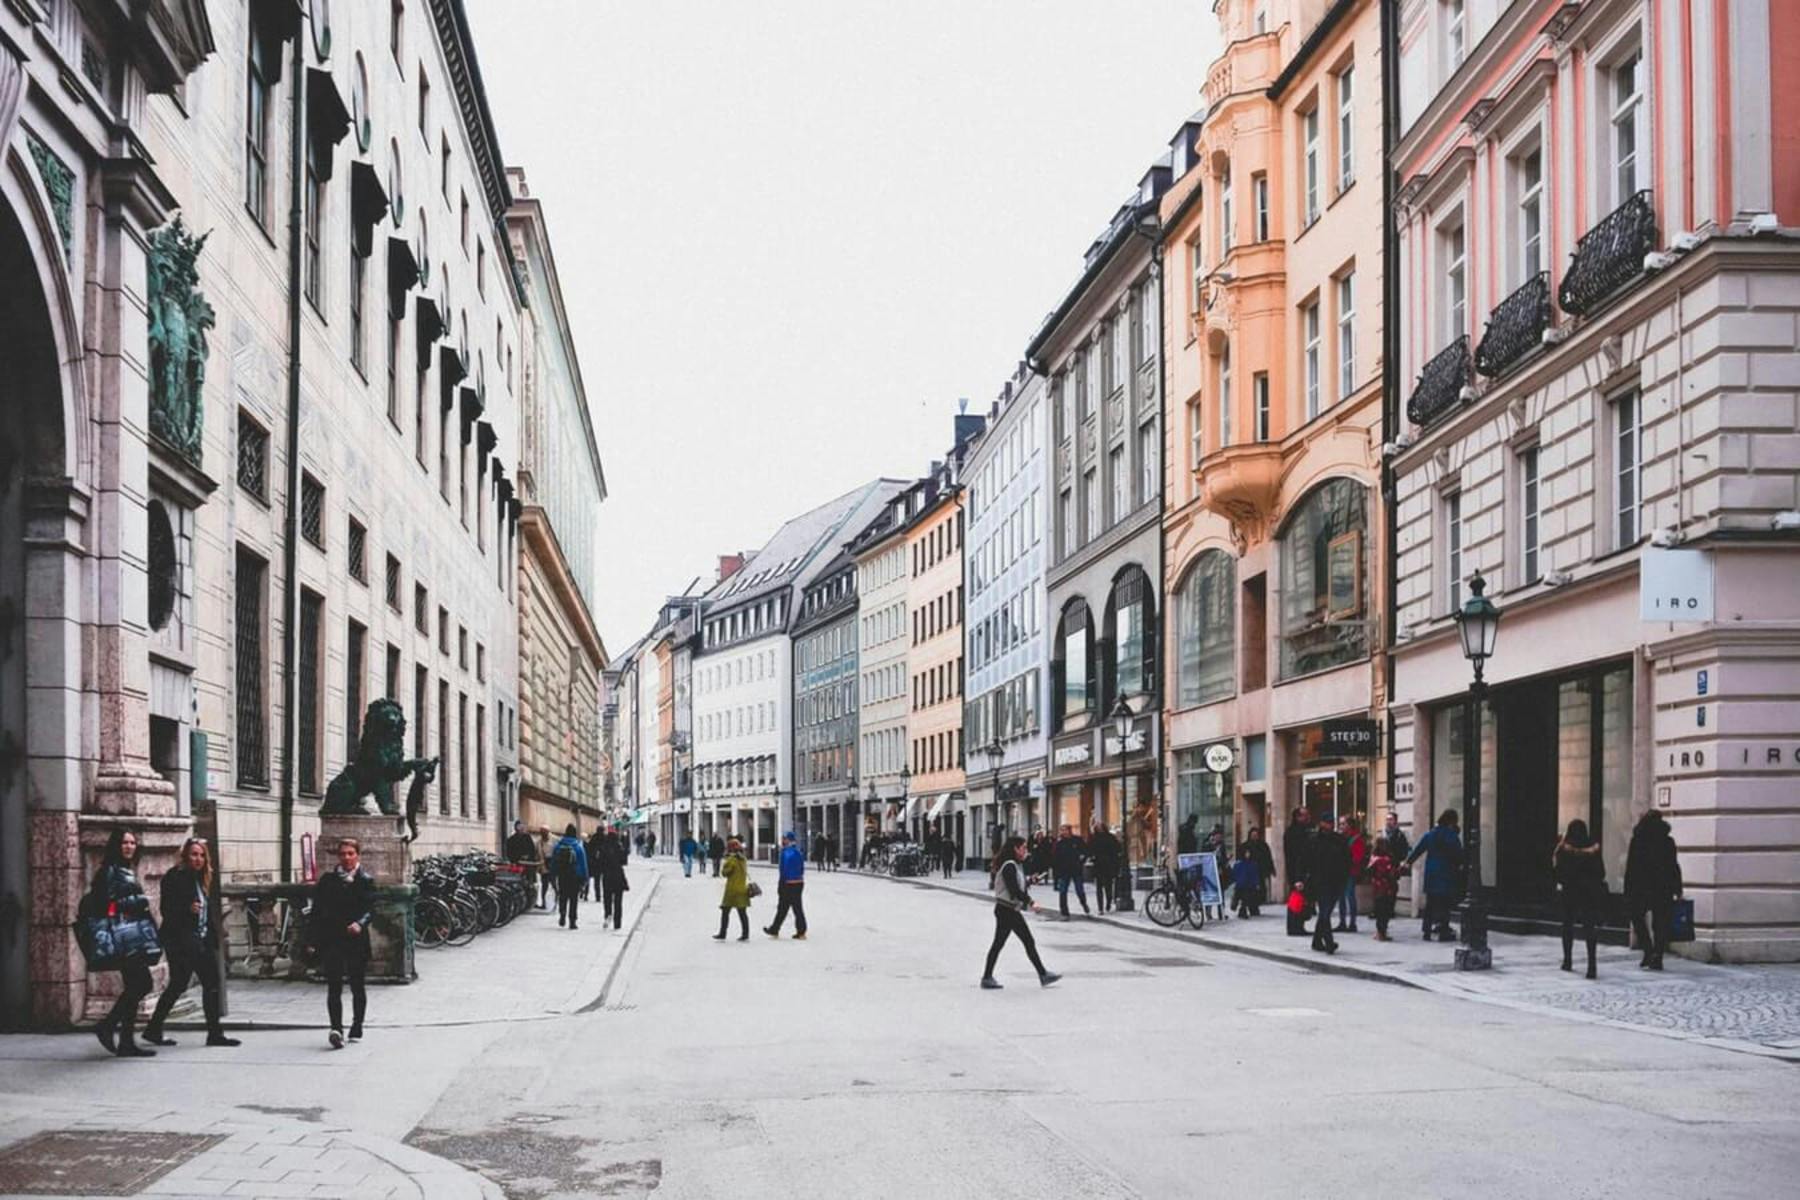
1652, 884
609, 872
1581, 882
190, 934
1264, 858
116, 891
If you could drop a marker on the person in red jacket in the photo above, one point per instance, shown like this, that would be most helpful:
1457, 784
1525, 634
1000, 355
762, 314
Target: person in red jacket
1384, 879
1351, 828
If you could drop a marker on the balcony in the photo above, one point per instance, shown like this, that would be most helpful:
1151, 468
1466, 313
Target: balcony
1609, 257
1241, 484
1515, 328
1441, 384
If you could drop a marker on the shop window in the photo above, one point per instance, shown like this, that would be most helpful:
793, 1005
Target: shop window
1205, 629
1074, 658
1322, 585
1254, 637
1128, 620
1202, 797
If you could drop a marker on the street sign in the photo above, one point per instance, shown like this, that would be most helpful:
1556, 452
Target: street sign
1220, 757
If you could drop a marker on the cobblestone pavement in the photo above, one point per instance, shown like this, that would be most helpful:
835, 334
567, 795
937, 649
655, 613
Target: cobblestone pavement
1767, 1013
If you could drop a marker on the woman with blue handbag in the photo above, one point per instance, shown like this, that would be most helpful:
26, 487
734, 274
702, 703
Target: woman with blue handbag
116, 894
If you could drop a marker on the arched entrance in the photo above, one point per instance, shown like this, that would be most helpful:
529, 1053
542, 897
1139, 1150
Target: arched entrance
35, 659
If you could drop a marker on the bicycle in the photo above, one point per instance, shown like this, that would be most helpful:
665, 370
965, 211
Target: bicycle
1171, 903
287, 929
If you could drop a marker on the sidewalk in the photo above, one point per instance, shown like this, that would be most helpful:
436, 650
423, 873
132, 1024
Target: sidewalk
136, 1150
516, 973
1753, 1009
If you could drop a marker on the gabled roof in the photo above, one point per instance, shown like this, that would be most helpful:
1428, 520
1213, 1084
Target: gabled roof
794, 555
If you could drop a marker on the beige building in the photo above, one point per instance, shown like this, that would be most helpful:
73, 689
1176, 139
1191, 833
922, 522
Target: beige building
561, 486
935, 665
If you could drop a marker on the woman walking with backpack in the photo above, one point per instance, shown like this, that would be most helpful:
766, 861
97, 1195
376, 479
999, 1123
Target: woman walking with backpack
191, 937
116, 893
570, 866
1011, 902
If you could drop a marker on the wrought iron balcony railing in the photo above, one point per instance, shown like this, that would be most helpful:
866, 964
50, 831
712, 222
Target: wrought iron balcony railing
1515, 328
1441, 384
1609, 257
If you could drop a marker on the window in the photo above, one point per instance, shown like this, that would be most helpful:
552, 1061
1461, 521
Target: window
443, 170
481, 268
1456, 279
1259, 194
481, 760
1149, 323
397, 29
465, 224
252, 457
1073, 645
443, 631
462, 647
1528, 514
312, 510
421, 609
260, 77
1346, 88
1346, 334
308, 735
393, 672
1225, 230
1196, 424
393, 368
1090, 498
1529, 171
250, 669
1204, 630
1625, 447
1309, 137
1149, 479
1309, 329
393, 585
480, 663
1259, 390
1322, 582
356, 547
1225, 396
1115, 467
313, 196
1626, 94
1453, 551
1131, 669
1196, 272
359, 276
356, 643
1455, 34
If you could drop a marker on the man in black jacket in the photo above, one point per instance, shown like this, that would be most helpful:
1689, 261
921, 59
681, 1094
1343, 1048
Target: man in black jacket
1327, 872
1104, 848
1066, 862
715, 850
522, 850
343, 903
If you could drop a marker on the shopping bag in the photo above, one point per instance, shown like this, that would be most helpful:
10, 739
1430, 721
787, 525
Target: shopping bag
1681, 924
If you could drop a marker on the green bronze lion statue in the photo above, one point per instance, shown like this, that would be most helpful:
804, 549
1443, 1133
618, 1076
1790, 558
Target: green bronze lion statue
379, 764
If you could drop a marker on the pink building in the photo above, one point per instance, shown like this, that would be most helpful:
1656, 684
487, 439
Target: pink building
1599, 288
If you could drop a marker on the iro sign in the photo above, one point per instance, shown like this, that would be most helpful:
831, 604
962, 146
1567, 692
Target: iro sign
1675, 585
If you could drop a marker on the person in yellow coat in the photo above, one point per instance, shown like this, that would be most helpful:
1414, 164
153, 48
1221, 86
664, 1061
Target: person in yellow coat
737, 892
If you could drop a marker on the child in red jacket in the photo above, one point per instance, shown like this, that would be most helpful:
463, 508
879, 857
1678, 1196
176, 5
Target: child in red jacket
1383, 874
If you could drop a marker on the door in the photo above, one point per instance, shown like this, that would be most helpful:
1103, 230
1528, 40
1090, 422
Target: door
1525, 789
1319, 793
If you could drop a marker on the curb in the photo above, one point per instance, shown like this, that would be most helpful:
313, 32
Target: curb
1332, 966
612, 971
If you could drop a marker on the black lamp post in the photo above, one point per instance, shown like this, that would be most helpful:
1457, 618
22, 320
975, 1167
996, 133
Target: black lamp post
1121, 715
995, 754
905, 790
1478, 625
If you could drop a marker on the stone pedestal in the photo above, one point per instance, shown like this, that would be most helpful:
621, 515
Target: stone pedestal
389, 860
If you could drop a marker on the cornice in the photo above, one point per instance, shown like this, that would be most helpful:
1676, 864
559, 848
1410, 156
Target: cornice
540, 539
452, 24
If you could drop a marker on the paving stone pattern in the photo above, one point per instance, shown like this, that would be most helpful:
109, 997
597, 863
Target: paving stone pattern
1768, 1014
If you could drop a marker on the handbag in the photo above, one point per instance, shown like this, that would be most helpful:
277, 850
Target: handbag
109, 941
1681, 921
753, 890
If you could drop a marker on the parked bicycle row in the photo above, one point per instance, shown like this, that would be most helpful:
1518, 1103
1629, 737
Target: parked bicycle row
461, 895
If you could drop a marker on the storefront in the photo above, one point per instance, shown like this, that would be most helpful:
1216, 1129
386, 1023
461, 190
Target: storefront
1093, 778
1331, 768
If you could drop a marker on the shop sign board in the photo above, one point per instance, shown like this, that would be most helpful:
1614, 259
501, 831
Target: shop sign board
1350, 737
1070, 756
1220, 757
1675, 585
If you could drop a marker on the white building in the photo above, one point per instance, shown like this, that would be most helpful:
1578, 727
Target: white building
883, 570
743, 672
1003, 633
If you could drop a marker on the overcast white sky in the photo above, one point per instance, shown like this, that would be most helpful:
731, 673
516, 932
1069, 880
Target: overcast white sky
791, 234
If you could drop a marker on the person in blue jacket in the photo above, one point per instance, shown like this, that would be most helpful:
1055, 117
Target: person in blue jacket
569, 866
1443, 852
793, 882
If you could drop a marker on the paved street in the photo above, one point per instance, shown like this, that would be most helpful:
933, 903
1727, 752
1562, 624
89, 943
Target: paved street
866, 1058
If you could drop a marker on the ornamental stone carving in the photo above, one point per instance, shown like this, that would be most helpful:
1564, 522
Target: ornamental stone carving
179, 318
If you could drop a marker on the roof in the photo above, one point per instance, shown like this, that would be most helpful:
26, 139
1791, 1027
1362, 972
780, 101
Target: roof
796, 547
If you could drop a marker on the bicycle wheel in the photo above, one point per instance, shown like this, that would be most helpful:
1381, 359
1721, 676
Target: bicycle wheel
431, 923
463, 926
487, 906
1163, 907
1196, 915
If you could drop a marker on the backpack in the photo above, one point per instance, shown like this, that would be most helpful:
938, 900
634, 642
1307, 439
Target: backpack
564, 860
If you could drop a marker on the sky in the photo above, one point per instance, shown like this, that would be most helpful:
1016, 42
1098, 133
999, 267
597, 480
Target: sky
792, 234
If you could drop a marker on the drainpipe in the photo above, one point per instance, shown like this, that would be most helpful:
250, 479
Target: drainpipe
290, 524
1390, 356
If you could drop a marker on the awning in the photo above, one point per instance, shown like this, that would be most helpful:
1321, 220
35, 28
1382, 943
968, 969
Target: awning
638, 816
937, 806
912, 807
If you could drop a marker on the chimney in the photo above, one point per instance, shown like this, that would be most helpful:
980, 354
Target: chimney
729, 565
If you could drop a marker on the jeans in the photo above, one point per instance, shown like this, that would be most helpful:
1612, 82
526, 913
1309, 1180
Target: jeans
743, 919
1106, 886
345, 961
614, 901
1347, 905
1009, 921
788, 896
183, 969
544, 881
1322, 929
568, 903
687, 865
1062, 892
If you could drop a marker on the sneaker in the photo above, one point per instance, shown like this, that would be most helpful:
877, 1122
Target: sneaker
1048, 978
336, 1038
356, 1033
990, 984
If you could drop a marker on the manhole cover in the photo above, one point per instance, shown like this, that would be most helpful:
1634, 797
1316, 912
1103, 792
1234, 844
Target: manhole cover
96, 1162
1166, 962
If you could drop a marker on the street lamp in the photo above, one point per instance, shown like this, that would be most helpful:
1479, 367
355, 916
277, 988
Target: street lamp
905, 790
995, 754
1121, 715
1478, 625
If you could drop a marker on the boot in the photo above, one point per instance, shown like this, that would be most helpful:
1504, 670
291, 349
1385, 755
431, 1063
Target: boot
154, 1036
217, 1037
1567, 962
108, 1035
1591, 972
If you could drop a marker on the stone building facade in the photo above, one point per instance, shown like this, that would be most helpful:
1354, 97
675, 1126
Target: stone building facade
1274, 530
561, 486
825, 707
1601, 424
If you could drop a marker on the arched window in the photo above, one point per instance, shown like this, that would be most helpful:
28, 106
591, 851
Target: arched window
1130, 616
1205, 625
1074, 661
1322, 580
